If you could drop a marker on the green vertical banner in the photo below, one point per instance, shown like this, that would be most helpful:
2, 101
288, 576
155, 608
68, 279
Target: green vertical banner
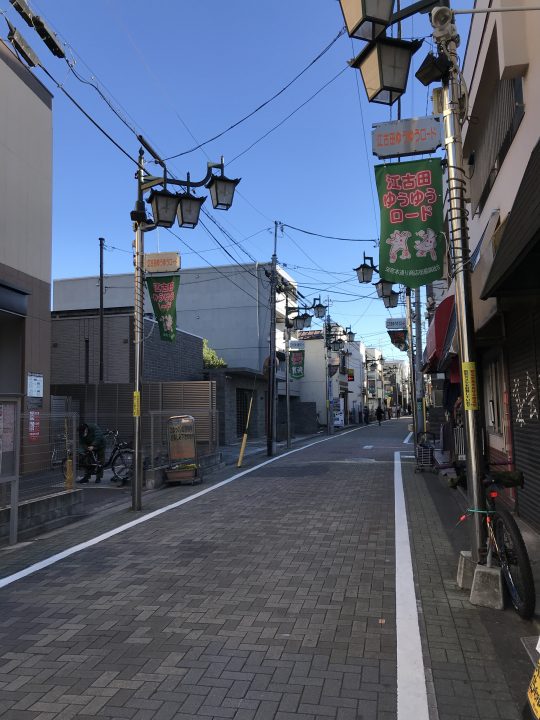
163, 290
412, 246
296, 364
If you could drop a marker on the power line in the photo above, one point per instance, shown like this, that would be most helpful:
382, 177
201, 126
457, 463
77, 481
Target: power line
331, 237
260, 107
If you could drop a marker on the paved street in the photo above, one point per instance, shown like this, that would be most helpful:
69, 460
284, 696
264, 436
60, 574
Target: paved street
280, 594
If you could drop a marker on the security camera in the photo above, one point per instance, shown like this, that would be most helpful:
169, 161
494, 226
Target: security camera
442, 21
441, 16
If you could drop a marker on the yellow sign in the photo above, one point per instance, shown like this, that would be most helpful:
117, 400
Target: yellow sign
136, 404
533, 693
470, 386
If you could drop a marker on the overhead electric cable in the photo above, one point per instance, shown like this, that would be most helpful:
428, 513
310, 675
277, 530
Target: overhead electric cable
331, 237
260, 107
287, 117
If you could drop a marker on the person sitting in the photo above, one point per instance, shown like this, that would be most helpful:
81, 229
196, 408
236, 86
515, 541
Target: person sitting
91, 440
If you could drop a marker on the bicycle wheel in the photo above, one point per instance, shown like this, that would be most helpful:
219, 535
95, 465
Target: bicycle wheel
515, 564
122, 465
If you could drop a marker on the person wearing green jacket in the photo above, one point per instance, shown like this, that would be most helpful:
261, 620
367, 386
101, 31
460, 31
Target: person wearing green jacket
91, 439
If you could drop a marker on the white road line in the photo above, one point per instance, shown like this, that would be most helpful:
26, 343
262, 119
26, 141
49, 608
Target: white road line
31, 569
408, 439
411, 680
368, 447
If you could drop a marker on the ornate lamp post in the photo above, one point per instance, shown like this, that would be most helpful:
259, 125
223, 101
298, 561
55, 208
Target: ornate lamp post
166, 206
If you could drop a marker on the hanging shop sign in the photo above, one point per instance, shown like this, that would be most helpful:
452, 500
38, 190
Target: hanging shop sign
350, 374
296, 364
162, 262
412, 246
163, 290
413, 136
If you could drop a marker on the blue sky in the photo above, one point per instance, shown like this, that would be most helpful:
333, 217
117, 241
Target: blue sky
182, 72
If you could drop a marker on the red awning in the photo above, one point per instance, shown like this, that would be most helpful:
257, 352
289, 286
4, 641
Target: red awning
436, 334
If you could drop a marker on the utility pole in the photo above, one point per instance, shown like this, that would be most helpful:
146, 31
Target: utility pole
138, 315
421, 420
412, 368
288, 382
101, 292
446, 36
271, 436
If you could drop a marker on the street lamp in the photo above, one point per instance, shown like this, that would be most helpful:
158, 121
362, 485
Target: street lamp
391, 301
350, 334
366, 19
364, 271
383, 288
384, 66
318, 308
165, 206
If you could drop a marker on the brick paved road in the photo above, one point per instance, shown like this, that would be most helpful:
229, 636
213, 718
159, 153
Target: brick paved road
270, 598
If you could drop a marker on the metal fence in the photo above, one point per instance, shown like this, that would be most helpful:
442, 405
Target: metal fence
46, 440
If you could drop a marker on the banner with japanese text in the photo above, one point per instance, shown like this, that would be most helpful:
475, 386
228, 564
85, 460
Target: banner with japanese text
162, 290
296, 364
412, 246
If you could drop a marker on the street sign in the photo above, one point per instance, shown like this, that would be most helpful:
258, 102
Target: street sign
297, 345
413, 136
396, 324
164, 262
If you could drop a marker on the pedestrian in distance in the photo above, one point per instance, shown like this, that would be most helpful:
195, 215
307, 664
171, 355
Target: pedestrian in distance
379, 413
91, 440
366, 415
398, 411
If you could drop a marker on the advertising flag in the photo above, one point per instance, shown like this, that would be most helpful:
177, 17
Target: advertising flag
412, 246
163, 290
296, 364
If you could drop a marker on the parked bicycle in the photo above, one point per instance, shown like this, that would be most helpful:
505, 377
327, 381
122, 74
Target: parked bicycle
505, 546
120, 459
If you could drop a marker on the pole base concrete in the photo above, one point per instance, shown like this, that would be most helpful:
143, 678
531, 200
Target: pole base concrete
465, 572
487, 589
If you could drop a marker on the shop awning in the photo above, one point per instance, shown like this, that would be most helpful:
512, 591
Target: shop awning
515, 266
436, 335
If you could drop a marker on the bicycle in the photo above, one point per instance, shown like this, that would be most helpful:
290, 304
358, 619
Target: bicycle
120, 459
505, 545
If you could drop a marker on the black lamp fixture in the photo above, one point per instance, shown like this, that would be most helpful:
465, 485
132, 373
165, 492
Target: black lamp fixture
366, 19
336, 344
306, 319
164, 205
383, 288
222, 191
189, 209
364, 271
391, 301
384, 66
350, 334
318, 308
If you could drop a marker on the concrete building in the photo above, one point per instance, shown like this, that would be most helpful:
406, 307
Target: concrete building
229, 306
25, 238
337, 377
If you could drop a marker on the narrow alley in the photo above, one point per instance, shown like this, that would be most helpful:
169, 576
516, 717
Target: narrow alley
319, 584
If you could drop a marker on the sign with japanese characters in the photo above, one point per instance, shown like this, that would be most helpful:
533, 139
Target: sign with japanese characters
412, 246
162, 262
296, 364
470, 386
415, 136
162, 290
